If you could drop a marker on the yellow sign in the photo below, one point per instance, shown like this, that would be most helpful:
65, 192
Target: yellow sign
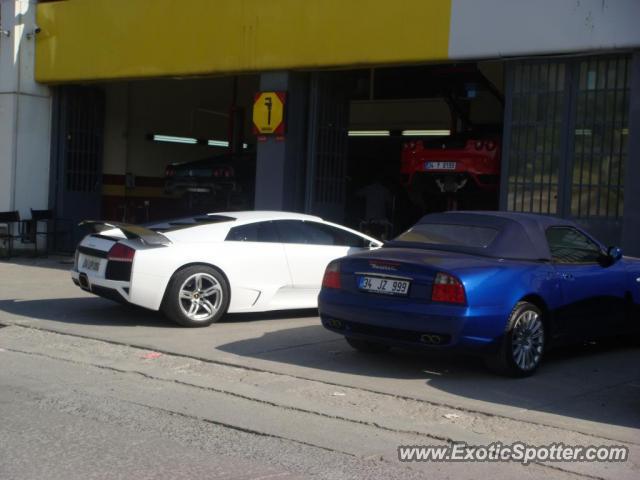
268, 113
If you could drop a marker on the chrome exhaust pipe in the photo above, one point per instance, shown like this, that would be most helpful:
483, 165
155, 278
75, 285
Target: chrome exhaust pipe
431, 339
335, 323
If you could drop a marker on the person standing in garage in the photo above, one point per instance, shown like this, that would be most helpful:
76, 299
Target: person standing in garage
378, 209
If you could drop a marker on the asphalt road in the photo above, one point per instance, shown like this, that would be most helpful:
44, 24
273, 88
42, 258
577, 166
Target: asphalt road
277, 385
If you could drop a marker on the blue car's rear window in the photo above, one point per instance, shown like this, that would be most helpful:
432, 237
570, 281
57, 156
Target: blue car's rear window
454, 235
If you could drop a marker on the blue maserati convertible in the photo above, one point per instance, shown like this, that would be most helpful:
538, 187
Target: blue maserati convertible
503, 285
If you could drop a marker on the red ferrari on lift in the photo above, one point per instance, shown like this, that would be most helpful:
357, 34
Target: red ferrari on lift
450, 168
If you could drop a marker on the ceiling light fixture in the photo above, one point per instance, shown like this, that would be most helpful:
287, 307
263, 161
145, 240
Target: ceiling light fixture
426, 133
218, 143
173, 139
369, 133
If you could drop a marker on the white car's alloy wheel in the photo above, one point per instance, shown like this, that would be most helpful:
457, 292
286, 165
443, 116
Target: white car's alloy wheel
200, 297
197, 296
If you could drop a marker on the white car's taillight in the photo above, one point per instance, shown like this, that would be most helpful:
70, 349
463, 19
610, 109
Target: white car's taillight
121, 253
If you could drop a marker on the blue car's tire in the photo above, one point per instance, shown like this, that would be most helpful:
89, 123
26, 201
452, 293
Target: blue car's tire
523, 344
366, 347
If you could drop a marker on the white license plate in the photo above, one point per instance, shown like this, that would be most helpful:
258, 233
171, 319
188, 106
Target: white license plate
388, 286
440, 166
91, 263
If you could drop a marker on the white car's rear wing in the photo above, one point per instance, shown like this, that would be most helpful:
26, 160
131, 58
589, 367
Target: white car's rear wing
131, 232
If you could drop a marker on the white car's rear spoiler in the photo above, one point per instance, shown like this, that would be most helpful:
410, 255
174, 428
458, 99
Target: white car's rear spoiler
131, 232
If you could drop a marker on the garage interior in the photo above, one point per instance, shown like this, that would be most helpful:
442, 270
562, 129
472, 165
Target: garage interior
139, 128
152, 124
441, 106
565, 122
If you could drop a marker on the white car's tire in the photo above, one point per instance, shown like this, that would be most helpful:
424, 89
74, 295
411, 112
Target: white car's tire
196, 296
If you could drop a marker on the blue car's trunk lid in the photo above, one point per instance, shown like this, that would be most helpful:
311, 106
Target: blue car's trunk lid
411, 260
419, 266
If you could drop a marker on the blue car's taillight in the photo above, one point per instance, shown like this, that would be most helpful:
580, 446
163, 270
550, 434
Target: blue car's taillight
331, 277
448, 289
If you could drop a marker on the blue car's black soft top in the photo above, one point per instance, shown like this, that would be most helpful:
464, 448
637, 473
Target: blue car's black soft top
521, 236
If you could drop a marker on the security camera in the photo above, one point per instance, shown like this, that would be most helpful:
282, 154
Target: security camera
36, 30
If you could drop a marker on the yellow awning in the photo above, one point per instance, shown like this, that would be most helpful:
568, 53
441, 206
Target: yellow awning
84, 40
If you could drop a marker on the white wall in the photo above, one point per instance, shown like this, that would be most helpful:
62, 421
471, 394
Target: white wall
25, 114
7, 142
498, 28
33, 154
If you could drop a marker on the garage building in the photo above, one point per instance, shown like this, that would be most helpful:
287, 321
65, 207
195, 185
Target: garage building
99, 98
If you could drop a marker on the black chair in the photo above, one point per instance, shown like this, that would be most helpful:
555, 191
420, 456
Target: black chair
10, 219
47, 217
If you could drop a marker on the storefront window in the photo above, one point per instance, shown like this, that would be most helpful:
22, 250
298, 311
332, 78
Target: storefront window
600, 138
534, 149
568, 132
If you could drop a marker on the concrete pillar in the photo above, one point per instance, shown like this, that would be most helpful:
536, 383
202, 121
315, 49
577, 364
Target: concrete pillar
280, 168
25, 113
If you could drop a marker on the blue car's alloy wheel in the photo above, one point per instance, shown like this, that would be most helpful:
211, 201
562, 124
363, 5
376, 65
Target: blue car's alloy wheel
527, 340
523, 344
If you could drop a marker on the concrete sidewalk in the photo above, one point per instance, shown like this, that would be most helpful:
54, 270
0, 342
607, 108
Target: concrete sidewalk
96, 391
592, 390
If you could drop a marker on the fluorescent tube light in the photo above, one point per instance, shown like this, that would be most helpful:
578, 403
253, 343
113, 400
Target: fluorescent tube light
369, 133
172, 139
217, 143
426, 133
